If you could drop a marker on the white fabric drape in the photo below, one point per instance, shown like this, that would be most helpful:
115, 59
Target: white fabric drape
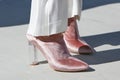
50, 16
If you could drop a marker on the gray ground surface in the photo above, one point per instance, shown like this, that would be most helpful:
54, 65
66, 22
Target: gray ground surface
99, 26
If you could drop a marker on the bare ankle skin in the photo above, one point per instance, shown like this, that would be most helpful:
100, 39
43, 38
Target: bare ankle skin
51, 38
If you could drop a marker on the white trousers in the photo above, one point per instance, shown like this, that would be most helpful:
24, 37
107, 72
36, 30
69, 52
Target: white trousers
51, 16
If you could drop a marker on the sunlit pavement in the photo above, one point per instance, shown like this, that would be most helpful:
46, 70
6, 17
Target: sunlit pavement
99, 26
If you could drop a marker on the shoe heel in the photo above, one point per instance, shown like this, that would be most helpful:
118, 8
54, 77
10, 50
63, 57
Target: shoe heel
33, 55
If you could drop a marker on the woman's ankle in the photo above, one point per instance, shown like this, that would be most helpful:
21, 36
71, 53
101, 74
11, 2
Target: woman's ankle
51, 38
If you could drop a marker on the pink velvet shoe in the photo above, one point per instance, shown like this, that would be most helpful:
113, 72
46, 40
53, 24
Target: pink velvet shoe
55, 51
73, 42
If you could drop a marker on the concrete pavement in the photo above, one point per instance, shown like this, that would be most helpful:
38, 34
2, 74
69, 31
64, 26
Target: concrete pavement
99, 26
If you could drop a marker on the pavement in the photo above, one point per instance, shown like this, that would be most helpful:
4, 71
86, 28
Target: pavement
99, 26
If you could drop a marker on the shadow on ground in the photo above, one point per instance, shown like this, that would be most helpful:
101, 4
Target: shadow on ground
102, 56
96, 3
112, 38
16, 12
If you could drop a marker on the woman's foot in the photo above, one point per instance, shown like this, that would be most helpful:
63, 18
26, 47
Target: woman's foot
73, 41
55, 51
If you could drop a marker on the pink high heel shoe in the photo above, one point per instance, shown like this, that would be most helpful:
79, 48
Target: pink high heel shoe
55, 51
73, 41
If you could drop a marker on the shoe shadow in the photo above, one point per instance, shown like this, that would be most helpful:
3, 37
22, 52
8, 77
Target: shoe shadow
101, 57
43, 62
108, 38
105, 56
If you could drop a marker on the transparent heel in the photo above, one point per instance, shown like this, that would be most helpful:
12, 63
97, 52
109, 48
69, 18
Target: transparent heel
33, 55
